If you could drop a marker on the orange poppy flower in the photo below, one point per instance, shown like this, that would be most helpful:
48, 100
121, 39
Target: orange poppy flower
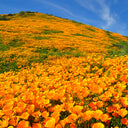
104, 117
23, 124
10, 127
4, 123
50, 123
1, 113
85, 92
36, 125
124, 121
97, 114
45, 114
88, 115
77, 109
98, 125
99, 104
110, 109
58, 126
73, 126
122, 112
56, 116
30, 108
13, 122
115, 114
72, 117
24, 115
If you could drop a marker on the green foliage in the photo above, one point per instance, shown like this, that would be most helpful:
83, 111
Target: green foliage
51, 31
55, 102
36, 59
15, 43
21, 13
116, 122
4, 17
27, 13
31, 120
56, 52
43, 50
10, 14
64, 114
78, 23
41, 37
122, 47
54, 49
110, 36
78, 34
4, 47
0, 39
7, 66
91, 29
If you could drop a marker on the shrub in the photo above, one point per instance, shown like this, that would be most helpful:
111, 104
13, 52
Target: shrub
52, 31
10, 14
21, 13
3, 18
40, 37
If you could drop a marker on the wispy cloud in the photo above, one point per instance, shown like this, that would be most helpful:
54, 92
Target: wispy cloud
108, 20
116, 1
101, 9
65, 10
56, 6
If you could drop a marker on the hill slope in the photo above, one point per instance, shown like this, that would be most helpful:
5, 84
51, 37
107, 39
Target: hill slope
30, 37
62, 74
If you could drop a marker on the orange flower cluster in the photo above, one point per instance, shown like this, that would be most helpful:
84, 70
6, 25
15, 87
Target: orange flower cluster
42, 30
87, 91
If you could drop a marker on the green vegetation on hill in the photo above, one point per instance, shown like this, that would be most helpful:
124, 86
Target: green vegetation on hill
58, 73
33, 37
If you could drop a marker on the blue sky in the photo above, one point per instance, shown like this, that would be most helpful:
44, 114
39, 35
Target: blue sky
111, 15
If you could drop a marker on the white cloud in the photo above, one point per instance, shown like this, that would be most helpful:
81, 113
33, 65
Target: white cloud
56, 6
115, 1
62, 9
101, 9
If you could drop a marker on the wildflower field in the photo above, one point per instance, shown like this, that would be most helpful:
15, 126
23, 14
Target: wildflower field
58, 73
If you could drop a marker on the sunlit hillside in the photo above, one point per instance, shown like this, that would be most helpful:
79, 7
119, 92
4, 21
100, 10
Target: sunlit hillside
58, 73
32, 37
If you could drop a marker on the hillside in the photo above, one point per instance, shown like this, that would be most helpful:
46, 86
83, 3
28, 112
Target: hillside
32, 37
58, 73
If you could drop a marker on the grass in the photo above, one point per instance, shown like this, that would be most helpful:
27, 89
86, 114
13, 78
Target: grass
7, 66
78, 34
44, 52
4, 18
76, 22
36, 59
15, 43
27, 13
56, 52
3, 47
48, 16
119, 49
41, 37
122, 49
91, 29
110, 36
51, 31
